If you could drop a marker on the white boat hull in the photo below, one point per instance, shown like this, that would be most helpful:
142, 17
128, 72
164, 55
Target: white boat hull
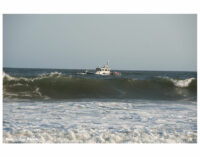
102, 73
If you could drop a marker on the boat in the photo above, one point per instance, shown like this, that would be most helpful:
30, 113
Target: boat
105, 70
85, 72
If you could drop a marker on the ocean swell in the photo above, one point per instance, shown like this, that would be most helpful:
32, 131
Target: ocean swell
58, 86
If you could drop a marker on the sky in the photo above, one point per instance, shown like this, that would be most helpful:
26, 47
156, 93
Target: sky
74, 41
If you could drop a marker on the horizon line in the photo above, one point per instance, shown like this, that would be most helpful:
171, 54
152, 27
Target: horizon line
94, 69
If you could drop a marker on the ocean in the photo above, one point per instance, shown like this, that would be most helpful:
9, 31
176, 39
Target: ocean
67, 106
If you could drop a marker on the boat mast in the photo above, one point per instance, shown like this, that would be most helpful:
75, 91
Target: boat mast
107, 62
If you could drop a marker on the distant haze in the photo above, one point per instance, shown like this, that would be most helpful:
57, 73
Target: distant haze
130, 42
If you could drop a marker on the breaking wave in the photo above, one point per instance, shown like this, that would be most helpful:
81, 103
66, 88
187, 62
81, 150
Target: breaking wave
82, 136
58, 86
182, 83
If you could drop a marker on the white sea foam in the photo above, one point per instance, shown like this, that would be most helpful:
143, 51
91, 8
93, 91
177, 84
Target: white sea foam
182, 83
100, 122
7, 76
178, 82
52, 74
41, 76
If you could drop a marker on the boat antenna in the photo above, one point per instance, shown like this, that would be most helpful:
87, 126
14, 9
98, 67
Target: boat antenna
107, 62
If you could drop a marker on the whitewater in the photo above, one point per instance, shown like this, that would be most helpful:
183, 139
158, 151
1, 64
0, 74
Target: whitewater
100, 122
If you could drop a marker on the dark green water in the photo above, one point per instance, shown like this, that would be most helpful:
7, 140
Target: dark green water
71, 84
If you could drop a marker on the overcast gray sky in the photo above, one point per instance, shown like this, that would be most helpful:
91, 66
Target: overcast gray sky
130, 42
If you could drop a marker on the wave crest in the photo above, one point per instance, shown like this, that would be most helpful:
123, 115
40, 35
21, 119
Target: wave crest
182, 83
58, 86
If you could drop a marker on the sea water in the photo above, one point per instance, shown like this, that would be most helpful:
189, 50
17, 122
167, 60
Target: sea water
63, 106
